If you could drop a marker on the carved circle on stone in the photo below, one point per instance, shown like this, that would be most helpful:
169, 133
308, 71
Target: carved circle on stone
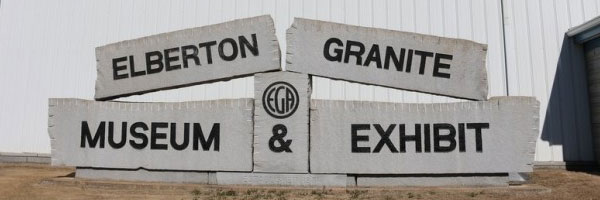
280, 100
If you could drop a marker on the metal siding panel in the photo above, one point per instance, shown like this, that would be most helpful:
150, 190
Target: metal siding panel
540, 79
517, 30
576, 12
550, 42
543, 63
589, 9
26, 102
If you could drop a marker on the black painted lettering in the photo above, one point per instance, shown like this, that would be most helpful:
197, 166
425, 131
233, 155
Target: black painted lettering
385, 138
234, 49
409, 60
154, 58
253, 48
279, 103
415, 138
186, 55
478, 129
173, 137
338, 52
169, 66
356, 138
437, 138
155, 135
132, 68
374, 56
208, 46
290, 99
356, 53
213, 137
87, 135
437, 65
117, 68
138, 135
461, 138
427, 133
390, 54
424, 55
111, 137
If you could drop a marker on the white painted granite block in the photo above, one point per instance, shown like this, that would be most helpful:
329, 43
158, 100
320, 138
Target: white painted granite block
508, 129
281, 104
143, 175
451, 67
238, 178
76, 126
187, 57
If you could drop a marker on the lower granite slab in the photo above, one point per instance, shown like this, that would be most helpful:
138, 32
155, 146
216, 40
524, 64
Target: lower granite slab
280, 179
434, 181
143, 175
241, 178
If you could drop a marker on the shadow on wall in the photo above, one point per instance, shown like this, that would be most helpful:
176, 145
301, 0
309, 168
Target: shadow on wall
567, 120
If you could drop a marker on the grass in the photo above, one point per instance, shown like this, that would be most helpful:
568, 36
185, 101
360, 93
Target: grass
355, 194
227, 193
474, 194
251, 191
196, 192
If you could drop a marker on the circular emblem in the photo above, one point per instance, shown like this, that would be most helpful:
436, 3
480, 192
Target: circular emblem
280, 100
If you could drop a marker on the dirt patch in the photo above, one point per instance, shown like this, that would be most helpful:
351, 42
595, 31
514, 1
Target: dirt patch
28, 181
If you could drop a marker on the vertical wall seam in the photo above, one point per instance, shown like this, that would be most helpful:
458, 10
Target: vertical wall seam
505, 63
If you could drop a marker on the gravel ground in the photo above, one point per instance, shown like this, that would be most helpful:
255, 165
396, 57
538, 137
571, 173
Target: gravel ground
29, 181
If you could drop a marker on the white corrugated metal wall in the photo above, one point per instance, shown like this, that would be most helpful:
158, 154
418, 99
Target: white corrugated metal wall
542, 62
47, 50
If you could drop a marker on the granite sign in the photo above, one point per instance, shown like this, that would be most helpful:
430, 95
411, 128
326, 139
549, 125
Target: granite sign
411, 61
186, 57
282, 137
492, 136
281, 122
203, 135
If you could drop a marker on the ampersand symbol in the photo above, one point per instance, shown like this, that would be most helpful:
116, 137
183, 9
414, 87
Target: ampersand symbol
279, 131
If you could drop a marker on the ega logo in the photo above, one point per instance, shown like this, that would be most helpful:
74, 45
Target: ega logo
280, 100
